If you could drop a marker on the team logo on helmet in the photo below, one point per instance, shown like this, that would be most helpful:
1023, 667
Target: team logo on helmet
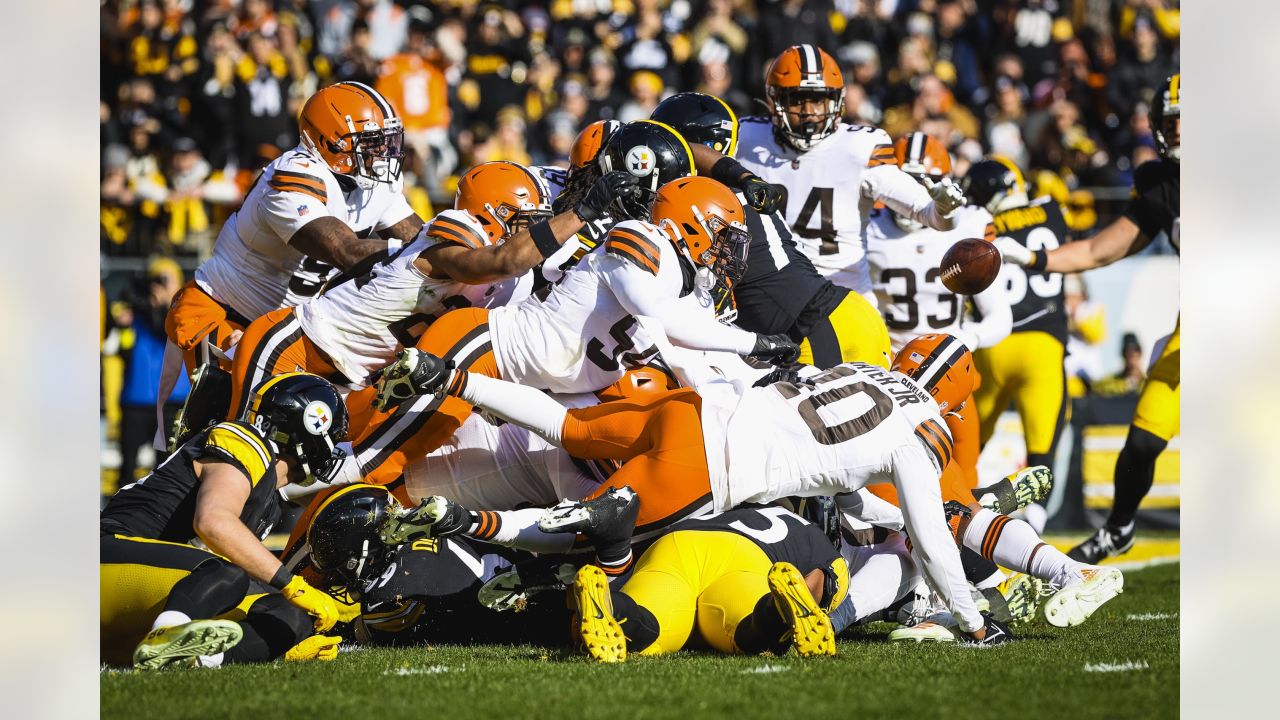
640, 161
317, 418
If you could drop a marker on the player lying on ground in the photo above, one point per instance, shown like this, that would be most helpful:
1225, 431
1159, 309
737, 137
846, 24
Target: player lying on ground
220, 488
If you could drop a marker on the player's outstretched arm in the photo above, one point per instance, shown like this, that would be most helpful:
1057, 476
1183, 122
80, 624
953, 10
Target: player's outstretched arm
906, 197
996, 322
329, 239
1116, 241
529, 247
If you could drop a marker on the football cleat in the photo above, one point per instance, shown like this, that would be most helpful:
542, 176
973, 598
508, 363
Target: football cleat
1022, 594
600, 633
512, 588
415, 372
610, 517
182, 645
811, 630
1083, 595
1022, 488
435, 516
1107, 542
927, 631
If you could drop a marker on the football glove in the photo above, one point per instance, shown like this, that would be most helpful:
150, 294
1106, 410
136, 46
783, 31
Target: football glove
997, 633
777, 349
947, 196
1013, 252
316, 647
415, 372
776, 375
318, 604
616, 185
763, 197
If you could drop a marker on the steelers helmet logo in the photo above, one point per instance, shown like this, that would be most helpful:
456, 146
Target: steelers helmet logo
641, 161
317, 417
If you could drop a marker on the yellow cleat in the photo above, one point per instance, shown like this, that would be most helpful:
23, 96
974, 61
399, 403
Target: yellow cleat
600, 633
183, 644
811, 630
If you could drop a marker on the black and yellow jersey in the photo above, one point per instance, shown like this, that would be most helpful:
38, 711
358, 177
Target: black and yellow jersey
780, 533
162, 505
1035, 297
780, 291
1155, 204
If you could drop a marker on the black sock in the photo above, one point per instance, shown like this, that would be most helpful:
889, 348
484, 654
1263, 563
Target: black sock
1135, 471
976, 567
272, 626
638, 624
763, 630
214, 587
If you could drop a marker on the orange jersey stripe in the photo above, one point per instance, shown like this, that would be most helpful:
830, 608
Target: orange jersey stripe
990, 234
882, 155
944, 437
450, 230
635, 247
286, 181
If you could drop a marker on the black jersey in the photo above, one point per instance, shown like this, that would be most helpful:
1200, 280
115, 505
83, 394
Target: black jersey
780, 283
780, 533
1035, 297
162, 505
1155, 205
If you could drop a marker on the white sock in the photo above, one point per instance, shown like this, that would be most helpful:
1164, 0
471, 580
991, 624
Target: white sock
211, 661
524, 406
1014, 544
519, 529
169, 618
1036, 516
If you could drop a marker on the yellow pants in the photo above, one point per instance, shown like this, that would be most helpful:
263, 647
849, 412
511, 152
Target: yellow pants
1159, 405
853, 332
135, 577
707, 578
1025, 368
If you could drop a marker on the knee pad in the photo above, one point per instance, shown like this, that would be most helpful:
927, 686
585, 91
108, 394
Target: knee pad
213, 587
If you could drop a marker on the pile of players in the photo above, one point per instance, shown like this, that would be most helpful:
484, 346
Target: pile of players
660, 381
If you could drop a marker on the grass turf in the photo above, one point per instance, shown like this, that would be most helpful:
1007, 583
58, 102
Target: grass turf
1043, 675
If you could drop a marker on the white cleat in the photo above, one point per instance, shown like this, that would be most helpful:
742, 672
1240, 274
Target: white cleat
1081, 597
927, 631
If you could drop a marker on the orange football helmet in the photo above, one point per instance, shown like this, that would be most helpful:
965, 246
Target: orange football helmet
921, 155
504, 196
705, 221
638, 383
355, 131
805, 81
589, 142
942, 366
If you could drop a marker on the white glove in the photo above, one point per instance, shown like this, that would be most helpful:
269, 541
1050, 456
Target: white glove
966, 336
1012, 252
947, 196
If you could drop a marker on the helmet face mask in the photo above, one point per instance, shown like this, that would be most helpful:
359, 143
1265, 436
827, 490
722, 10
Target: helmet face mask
704, 220
1165, 118
355, 132
303, 415
806, 116
655, 154
504, 197
378, 154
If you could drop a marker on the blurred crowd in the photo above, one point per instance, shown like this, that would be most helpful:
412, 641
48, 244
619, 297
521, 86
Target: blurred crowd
197, 95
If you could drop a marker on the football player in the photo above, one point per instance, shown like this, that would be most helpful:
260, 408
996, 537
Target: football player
687, 452
679, 269
780, 292
904, 256
220, 488
833, 172
1025, 368
1154, 209
750, 580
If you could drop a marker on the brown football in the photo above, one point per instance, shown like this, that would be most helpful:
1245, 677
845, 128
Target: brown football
970, 266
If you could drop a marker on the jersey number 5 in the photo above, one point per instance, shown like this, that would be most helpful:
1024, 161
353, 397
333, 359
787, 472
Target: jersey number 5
817, 397
822, 201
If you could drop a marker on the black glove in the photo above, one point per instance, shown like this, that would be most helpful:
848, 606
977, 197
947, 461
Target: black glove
776, 375
765, 198
777, 349
997, 633
616, 185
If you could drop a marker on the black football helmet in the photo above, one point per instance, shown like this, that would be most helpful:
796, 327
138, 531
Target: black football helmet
1166, 110
344, 533
700, 118
996, 184
303, 415
654, 153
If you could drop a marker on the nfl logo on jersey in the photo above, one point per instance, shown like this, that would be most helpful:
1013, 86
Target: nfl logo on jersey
303, 210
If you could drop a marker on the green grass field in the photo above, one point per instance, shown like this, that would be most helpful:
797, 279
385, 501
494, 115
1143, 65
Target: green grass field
1122, 663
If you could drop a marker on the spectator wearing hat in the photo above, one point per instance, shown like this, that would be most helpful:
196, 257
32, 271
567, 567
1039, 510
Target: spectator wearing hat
956, 45
646, 91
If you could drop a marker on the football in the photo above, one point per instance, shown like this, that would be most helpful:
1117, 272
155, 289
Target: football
970, 266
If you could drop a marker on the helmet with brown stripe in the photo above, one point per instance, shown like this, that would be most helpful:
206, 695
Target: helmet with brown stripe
1165, 117
504, 196
583, 168
805, 91
942, 366
705, 221
354, 131
921, 156
996, 184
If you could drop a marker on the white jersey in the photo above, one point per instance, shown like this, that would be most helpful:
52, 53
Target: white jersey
826, 204
362, 322
905, 275
583, 336
573, 249
254, 269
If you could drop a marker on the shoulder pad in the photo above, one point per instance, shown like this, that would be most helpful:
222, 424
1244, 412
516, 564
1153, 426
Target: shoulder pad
1148, 175
457, 227
243, 445
634, 242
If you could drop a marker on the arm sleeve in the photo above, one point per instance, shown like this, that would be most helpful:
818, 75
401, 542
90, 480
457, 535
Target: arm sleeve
640, 293
889, 185
916, 478
996, 322
871, 509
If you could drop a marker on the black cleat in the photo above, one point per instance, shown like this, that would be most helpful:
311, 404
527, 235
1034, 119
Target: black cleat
1107, 542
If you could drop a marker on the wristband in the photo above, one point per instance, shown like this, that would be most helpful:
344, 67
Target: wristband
728, 171
393, 245
1039, 260
544, 239
282, 578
